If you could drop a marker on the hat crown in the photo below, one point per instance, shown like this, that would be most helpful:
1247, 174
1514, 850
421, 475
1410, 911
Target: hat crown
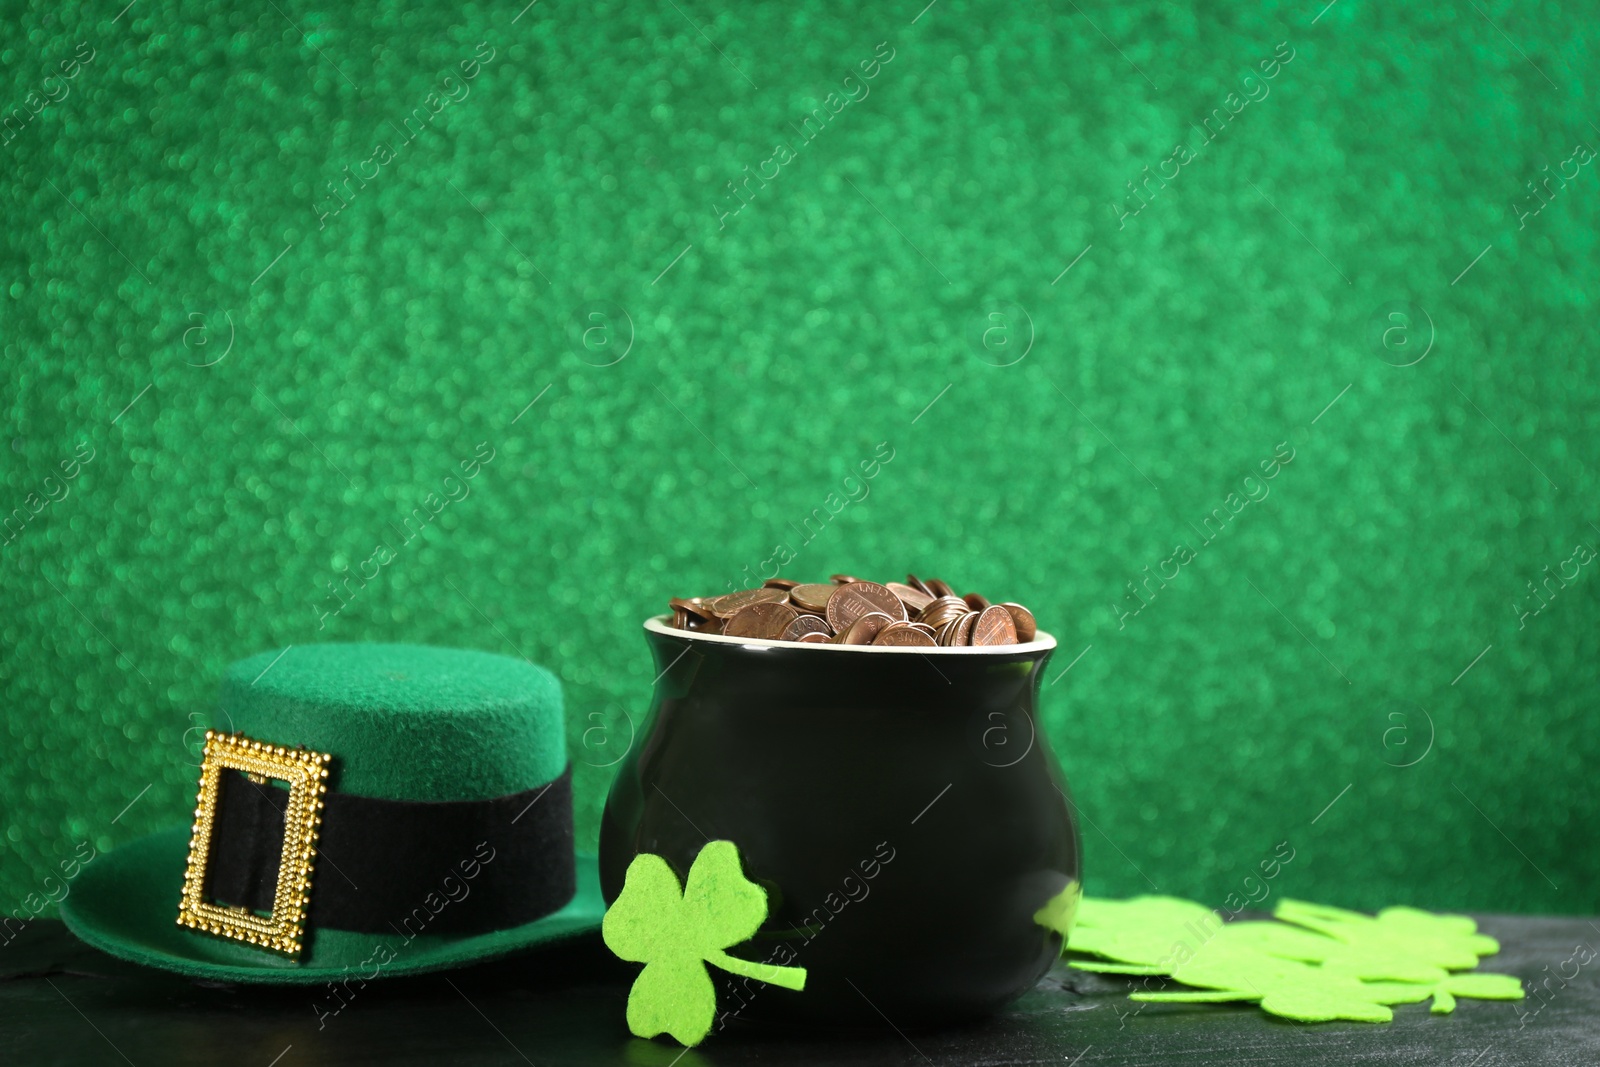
404, 722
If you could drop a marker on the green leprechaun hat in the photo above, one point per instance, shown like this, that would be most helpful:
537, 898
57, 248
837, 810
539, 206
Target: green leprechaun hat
364, 809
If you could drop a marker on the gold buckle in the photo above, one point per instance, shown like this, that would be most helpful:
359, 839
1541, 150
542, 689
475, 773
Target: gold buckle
306, 772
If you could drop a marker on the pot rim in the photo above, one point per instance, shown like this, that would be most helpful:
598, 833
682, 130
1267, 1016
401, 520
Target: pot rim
1041, 642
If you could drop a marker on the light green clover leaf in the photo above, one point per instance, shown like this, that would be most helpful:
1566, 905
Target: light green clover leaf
1282, 987
1313, 1003
1448, 941
1480, 985
1143, 930
676, 931
1330, 964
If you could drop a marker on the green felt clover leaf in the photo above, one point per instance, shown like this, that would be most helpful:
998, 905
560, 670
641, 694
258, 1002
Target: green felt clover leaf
1144, 930
1284, 987
1448, 941
1330, 964
1313, 1003
1281, 940
1481, 985
1372, 966
675, 932
1396, 992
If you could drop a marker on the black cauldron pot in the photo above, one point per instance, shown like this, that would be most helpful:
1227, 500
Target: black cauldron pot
901, 806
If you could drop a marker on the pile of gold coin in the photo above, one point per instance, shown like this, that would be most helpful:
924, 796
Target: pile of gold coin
849, 611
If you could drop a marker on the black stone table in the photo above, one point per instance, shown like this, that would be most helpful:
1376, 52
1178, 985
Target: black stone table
64, 1003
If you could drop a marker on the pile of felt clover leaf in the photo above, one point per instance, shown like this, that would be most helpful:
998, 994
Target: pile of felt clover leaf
1316, 964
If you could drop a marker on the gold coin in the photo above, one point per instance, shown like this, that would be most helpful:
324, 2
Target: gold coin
856, 599
812, 596
975, 601
813, 639
994, 627
805, 624
914, 599
903, 635
1023, 619
763, 619
864, 629
726, 606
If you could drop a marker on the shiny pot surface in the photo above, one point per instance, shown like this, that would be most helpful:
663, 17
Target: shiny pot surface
901, 807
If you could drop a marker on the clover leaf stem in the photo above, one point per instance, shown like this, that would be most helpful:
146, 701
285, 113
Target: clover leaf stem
788, 977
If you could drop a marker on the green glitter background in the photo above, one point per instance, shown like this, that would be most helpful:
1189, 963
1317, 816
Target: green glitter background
563, 209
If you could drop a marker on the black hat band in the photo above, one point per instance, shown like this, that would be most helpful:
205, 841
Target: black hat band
407, 866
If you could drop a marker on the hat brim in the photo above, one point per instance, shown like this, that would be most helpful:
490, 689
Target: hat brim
125, 902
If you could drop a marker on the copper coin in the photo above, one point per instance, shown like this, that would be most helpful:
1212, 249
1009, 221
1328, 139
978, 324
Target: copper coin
942, 610
975, 601
857, 599
903, 634
1023, 619
939, 588
764, 619
812, 596
923, 628
916, 583
805, 624
779, 583
914, 599
813, 639
994, 627
691, 605
958, 631
680, 619
842, 579
726, 606
864, 629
